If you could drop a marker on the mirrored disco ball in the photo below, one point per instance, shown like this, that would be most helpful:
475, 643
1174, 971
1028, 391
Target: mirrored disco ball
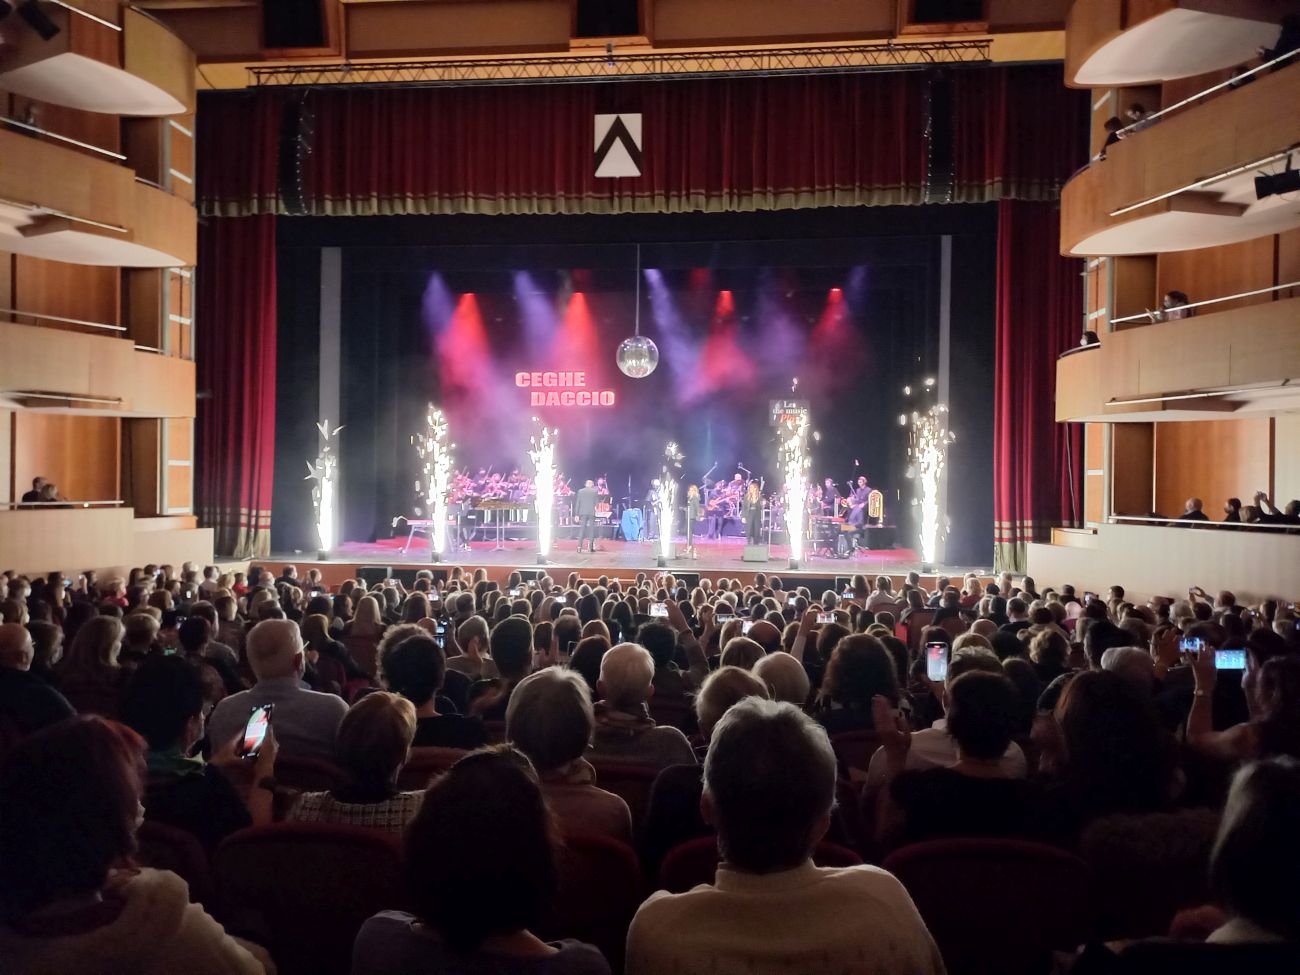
637, 356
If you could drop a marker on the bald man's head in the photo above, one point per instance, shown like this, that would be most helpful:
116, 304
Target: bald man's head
15, 646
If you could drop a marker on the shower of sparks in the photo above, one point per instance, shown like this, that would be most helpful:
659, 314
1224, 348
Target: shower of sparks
927, 452
668, 498
543, 457
324, 493
795, 464
436, 452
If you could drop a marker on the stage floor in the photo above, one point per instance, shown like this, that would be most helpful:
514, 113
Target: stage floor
715, 557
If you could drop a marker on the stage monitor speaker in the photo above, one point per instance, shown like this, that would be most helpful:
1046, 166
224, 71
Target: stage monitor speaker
370, 574
842, 583
755, 553
531, 574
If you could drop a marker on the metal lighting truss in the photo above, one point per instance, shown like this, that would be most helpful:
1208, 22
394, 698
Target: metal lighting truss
614, 66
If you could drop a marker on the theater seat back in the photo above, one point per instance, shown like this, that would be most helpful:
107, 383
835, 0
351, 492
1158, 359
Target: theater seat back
997, 907
304, 890
600, 890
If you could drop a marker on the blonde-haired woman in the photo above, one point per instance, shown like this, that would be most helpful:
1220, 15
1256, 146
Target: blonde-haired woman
364, 631
329, 658
89, 675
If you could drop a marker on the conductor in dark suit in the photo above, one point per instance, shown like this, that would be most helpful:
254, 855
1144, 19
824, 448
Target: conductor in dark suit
584, 510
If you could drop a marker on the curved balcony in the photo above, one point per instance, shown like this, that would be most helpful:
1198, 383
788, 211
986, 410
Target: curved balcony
105, 58
61, 205
1188, 181
1236, 362
1113, 43
50, 369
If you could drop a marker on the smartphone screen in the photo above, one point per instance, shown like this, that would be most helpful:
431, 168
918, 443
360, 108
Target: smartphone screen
723, 620
255, 731
561, 600
1191, 644
658, 609
1230, 659
745, 626
568, 650
516, 592
936, 661
824, 618
440, 629
847, 594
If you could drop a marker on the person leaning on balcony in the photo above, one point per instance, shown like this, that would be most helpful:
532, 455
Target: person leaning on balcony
1232, 511
1192, 511
1172, 308
1270, 515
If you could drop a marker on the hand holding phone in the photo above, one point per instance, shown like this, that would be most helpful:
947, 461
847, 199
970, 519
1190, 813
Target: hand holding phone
659, 610
936, 661
255, 731
745, 627
1230, 658
824, 618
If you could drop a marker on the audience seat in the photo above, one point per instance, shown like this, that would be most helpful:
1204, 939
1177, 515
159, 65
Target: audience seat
364, 650
307, 774
675, 712
997, 907
304, 890
695, 862
630, 782
496, 731
1147, 868
910, 632
165, 847
955, 626
425, 763
854, 749
600, 890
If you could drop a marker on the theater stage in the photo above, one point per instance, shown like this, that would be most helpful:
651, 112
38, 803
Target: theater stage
614, 558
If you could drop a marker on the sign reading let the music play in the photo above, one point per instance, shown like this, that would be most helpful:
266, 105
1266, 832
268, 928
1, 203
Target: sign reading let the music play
562, 389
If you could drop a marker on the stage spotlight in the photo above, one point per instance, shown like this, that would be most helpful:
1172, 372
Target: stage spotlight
1275, 184
38, 20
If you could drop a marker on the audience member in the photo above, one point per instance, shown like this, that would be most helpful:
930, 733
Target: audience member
785, 677
69, 901
27, 702
624, 730
474, 899
511, 644
163, 702
374, 740
89, 675
306, 722
859, 669
414, 668
550, 720
770, 909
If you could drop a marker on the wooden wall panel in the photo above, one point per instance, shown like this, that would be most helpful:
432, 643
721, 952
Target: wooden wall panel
78, 453
1211, 460
94, 128
154, 53
1132, 468
141, 465
1218, 271
1134, 286
145, 315
6, 458
69, 539
6, 280
1078, 385
1149, 561
180, 486
180, 439
78, 291
1288, 262
1286, 457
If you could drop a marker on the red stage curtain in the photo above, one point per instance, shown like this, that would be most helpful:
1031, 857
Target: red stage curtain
722, 144
1037, 462
235, 357
1018, 133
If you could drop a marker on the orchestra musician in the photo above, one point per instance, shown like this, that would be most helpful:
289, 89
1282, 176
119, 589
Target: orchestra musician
584, 512
693, 508
830, 498
752, 511
858, 503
